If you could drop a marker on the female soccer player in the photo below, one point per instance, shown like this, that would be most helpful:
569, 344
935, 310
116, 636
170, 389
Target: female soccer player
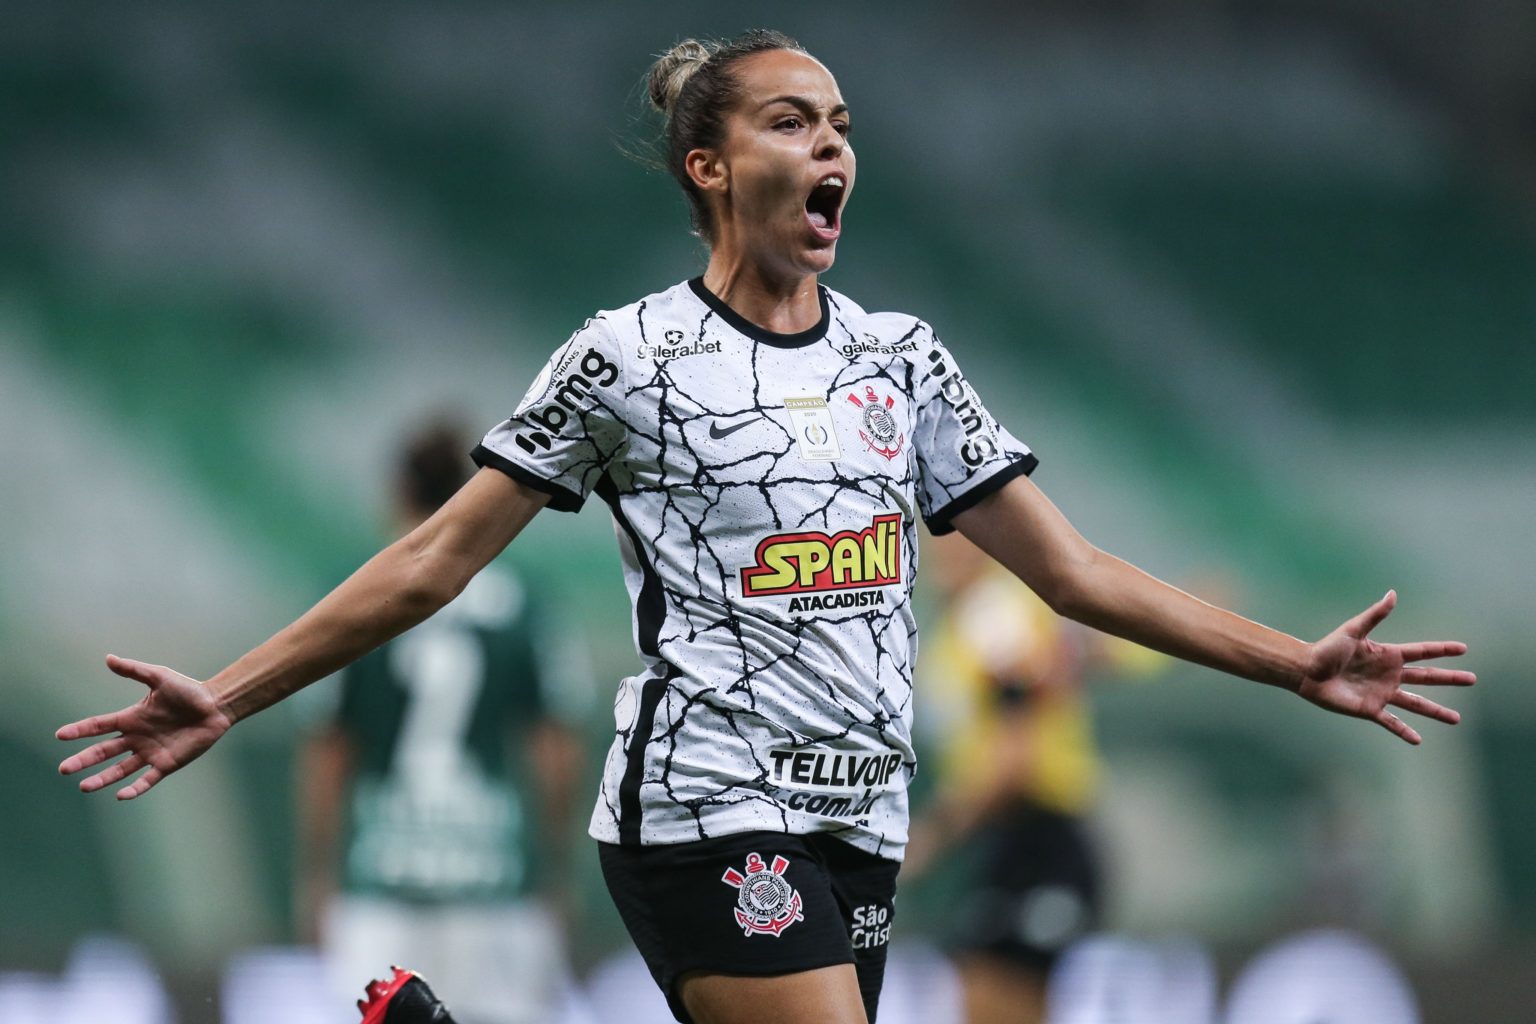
765, 447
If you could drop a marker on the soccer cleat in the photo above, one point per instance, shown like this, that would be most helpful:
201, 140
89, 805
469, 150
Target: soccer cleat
403, 999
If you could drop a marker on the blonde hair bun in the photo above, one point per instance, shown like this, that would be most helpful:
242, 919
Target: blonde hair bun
672, 70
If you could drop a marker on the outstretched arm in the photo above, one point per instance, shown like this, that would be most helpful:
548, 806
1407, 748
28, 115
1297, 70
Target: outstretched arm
180, 718
1345, 671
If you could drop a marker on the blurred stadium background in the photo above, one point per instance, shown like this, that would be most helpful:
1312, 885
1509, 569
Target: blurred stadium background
1257, 278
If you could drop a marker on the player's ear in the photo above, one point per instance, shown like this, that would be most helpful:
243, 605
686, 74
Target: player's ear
707, 170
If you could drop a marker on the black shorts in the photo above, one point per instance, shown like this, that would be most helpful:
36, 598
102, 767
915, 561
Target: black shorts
1035, 888
757, 903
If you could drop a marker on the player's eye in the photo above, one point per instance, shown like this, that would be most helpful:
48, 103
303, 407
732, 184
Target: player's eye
842, 128
788, 123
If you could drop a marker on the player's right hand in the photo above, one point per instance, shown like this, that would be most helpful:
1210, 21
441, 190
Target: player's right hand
175, 722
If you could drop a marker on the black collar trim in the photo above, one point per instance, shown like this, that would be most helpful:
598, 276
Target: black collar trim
756, 333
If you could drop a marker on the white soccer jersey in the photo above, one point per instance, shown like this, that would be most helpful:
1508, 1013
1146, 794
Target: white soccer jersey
764, 490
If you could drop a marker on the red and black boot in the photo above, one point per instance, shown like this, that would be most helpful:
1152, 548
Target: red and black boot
403, 999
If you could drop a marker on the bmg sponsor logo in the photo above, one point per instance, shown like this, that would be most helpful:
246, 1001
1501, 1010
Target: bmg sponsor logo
979, 445
571, 393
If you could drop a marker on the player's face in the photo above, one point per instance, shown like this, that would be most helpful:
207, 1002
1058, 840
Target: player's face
787, 163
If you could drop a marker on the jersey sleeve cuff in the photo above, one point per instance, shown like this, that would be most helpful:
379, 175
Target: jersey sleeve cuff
942, 521
561, 499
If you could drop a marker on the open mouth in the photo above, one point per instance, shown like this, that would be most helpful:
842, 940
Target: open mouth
825, 203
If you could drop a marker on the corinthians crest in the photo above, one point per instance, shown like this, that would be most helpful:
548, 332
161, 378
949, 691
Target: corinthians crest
766, 903
879, 432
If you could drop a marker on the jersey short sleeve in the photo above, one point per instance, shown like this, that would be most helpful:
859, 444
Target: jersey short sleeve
963, 453
569, 425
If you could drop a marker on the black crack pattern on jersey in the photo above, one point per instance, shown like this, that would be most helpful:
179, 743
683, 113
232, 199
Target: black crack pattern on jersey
687, 504
730, 795
711, 467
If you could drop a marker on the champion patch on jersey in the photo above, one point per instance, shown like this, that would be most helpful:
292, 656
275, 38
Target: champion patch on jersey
811, 422
766, 903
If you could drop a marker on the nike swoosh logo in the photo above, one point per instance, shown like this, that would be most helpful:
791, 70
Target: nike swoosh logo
716, 433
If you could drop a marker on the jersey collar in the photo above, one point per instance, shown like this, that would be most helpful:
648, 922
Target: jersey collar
756, 333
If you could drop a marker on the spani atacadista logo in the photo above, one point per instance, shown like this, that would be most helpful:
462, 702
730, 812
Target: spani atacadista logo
810, 561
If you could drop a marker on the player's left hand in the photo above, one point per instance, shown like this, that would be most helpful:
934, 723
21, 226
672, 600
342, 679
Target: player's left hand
1351, 674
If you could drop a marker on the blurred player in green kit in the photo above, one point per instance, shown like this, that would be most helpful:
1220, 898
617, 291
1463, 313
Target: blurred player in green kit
434, 798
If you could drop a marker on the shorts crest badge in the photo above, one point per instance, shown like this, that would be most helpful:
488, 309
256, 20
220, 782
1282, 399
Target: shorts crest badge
880, 432
766, 903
